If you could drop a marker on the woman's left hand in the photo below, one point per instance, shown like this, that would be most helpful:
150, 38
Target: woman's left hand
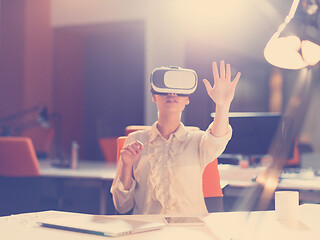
223, 88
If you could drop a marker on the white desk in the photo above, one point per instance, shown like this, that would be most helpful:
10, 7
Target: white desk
95, 174
236, 178
100, 175
232, 225
86, 169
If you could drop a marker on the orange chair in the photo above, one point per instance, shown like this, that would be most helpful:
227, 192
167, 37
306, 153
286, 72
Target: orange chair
210, 178
108, 146
18, 157
211, 181
133, 128
19, 176
120, 142
295, 160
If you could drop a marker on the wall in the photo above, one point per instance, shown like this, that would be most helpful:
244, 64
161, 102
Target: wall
169, 26
163, 43
25, 59
191, 36
99, 72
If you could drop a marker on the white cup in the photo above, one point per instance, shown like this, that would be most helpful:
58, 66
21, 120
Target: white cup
287, 205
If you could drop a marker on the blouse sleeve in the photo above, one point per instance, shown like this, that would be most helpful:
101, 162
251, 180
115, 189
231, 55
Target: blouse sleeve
212, 146
123, 199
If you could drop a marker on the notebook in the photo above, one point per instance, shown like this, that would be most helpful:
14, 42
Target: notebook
101, 225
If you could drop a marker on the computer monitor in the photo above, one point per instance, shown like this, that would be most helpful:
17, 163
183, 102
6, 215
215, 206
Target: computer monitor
253, 133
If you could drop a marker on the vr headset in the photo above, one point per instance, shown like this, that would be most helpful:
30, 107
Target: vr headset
173, 79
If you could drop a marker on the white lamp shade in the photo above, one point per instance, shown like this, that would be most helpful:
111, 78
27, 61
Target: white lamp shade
310, 52
283, 52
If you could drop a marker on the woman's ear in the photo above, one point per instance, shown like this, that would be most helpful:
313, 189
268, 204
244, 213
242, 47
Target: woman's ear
188, 101
153, 98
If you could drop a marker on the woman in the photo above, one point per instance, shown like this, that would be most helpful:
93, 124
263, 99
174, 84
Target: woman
160, 169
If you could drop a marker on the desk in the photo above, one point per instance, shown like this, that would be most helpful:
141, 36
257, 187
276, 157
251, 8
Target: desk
94, 174
236, 179
260, 225
86, 169
85, 189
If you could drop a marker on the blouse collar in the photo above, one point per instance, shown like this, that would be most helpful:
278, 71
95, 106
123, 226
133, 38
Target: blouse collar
181, 133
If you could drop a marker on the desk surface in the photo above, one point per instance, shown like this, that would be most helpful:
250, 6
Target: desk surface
231, 175
86, 169
89, 173
236, 176
231, 225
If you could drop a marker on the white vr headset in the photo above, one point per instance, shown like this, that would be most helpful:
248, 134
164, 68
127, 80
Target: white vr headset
172, 79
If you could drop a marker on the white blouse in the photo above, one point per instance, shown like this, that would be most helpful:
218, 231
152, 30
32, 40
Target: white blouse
168, 174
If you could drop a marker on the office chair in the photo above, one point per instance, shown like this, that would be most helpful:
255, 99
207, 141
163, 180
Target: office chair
120, 142
19, 171
108, 147
18, 157
132, 128
295, 160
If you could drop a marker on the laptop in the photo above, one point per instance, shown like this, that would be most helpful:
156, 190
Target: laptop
101, 225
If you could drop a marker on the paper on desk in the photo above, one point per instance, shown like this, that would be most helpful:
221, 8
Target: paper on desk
30, 219
24, 226
13, 231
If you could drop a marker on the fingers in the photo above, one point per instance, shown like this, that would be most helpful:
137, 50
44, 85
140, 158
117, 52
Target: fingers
215, 71
222, 70
207, 85
236, 79
225, 72
228, 72
133, 148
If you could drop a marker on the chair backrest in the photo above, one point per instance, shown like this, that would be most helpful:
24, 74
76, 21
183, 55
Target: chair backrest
295, 160
133, 128
210, 179
18, 157
108, 146
120, 142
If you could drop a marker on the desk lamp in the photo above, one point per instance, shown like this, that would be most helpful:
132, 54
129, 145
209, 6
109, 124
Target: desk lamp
295, 50
296, 45
298, 52
41, 119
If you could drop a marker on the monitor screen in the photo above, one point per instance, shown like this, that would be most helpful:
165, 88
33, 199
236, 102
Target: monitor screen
253, 132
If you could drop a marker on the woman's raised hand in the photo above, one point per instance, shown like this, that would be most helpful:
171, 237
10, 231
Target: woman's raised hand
131, 153
223, 88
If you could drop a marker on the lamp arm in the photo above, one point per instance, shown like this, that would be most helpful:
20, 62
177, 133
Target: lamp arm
19, 114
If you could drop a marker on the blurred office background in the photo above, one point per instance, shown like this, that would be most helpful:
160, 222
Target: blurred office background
87, 63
